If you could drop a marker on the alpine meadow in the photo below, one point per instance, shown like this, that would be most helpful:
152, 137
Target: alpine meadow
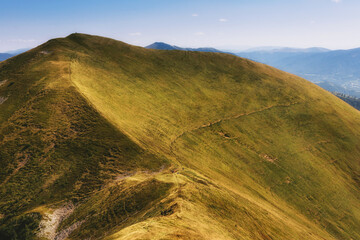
104, 140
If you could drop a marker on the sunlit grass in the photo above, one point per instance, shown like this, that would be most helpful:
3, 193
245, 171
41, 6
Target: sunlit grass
201, 145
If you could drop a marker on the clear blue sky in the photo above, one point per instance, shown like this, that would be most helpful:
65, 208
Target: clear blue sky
226, 24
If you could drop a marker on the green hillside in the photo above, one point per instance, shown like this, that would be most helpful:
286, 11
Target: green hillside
104, 140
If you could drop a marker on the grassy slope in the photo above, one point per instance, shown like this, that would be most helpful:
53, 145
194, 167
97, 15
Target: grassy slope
256, 153
55, 147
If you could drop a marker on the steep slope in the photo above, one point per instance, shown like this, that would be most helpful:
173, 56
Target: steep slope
56, 149
134, 143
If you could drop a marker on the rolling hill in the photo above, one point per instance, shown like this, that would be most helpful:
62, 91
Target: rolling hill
336, 68
103, 140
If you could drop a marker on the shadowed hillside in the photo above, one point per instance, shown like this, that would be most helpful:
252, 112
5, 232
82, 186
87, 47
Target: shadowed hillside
104, 140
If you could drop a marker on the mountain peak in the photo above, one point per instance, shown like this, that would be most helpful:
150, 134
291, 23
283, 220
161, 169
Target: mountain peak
162, 46
166, 46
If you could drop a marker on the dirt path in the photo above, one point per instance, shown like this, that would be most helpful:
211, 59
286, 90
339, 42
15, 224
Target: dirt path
51, 221
228, 118
3, 99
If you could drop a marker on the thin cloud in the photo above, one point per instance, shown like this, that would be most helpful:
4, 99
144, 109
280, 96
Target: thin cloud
223, 20
199, 34
135, 34
336, 1
23, 40
195, 15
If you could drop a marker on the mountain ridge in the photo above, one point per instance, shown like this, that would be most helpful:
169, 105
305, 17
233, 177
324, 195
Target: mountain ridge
257, 153
165, 46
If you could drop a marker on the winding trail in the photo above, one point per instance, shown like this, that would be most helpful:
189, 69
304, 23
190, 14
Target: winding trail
228, 118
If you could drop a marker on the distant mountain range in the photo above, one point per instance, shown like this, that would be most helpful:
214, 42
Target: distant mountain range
334, 70
165, 46
287, 49
4, 56
9, 54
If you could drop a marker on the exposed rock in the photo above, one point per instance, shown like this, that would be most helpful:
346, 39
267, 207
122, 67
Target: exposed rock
51, 222
3, 99
3, 82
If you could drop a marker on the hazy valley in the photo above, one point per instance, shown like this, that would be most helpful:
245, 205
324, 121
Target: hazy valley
334, 70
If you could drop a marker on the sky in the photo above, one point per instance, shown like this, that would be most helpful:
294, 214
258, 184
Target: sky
224, 24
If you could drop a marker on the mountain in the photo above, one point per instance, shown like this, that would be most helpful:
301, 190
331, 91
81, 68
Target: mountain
9, 54
165, 46
4, 56
286, 49
353, 101
103, 140
18, 51
339, 68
